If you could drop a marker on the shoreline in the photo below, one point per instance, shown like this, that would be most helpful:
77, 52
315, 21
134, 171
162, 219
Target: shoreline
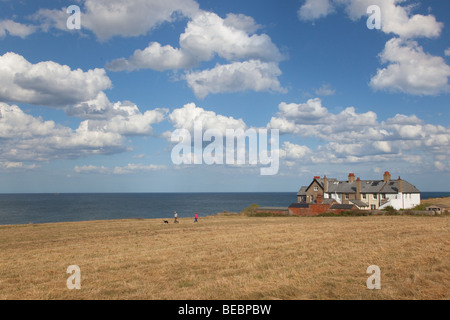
431, 201
190, 221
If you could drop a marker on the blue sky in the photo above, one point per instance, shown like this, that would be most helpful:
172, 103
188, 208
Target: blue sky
93, 109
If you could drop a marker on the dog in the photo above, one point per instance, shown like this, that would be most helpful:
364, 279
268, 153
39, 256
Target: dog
165, 221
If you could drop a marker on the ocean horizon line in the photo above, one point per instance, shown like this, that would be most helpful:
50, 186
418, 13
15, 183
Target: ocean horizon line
166, 192
61, 207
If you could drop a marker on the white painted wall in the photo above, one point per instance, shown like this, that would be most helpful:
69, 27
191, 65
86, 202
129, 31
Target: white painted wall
402, 200
398, 201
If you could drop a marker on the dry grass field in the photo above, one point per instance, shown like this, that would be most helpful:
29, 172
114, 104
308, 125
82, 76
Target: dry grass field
229, 257
445, 201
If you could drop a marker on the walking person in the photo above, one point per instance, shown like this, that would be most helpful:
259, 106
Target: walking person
196, 217
175, 216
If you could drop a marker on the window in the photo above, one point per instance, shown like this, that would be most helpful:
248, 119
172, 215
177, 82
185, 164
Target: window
373, 207
311, 198
383, 196
364, 196
346, 197
374, 195
316, 188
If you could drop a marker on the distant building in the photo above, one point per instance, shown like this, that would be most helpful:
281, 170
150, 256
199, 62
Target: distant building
363, 194
438, 208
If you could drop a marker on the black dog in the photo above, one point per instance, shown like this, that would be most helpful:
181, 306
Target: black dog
165, 221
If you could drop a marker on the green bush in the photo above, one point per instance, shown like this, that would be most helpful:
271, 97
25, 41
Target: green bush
251, 210
421, 207
390, 210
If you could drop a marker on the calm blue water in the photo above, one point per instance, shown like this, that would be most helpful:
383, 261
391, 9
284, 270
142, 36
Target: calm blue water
47, 208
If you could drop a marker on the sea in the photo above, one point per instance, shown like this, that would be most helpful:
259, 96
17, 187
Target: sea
19, 209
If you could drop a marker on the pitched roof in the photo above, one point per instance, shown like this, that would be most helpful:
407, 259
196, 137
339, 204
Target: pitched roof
368, 186
302, 191
359, 203
392, 187
328, 201
438, 205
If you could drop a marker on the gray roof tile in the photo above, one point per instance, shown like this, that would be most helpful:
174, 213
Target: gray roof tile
369, 186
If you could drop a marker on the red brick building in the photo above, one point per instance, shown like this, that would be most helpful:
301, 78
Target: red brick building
321, 205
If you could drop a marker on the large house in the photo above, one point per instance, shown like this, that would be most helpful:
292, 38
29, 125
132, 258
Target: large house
364, 194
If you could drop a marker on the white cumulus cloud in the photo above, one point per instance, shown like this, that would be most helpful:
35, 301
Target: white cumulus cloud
189, 114
47, 83
236, 77
352, 137
16, 29
252, 58
205, 36
411, 70
315, 9
395, 18
110, 18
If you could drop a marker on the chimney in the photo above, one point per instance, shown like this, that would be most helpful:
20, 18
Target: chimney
316, 178
387, 176
351, 177
358, 189
400, 185
325, 184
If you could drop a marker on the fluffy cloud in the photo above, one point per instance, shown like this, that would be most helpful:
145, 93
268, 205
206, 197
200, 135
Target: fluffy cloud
312, 119
411, 70
155, 57
109, 18
206, 35
295, 152
124, 117
132, 124
311, 111
447, 52
351, 137
235, 77
241, 22
325, 90
27, 138
51, 84
254, 58
15, 29
188, 115
315, 9
395, 18
47, 83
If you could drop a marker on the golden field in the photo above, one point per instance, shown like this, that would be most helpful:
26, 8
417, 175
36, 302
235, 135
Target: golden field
445, 201
229, 257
